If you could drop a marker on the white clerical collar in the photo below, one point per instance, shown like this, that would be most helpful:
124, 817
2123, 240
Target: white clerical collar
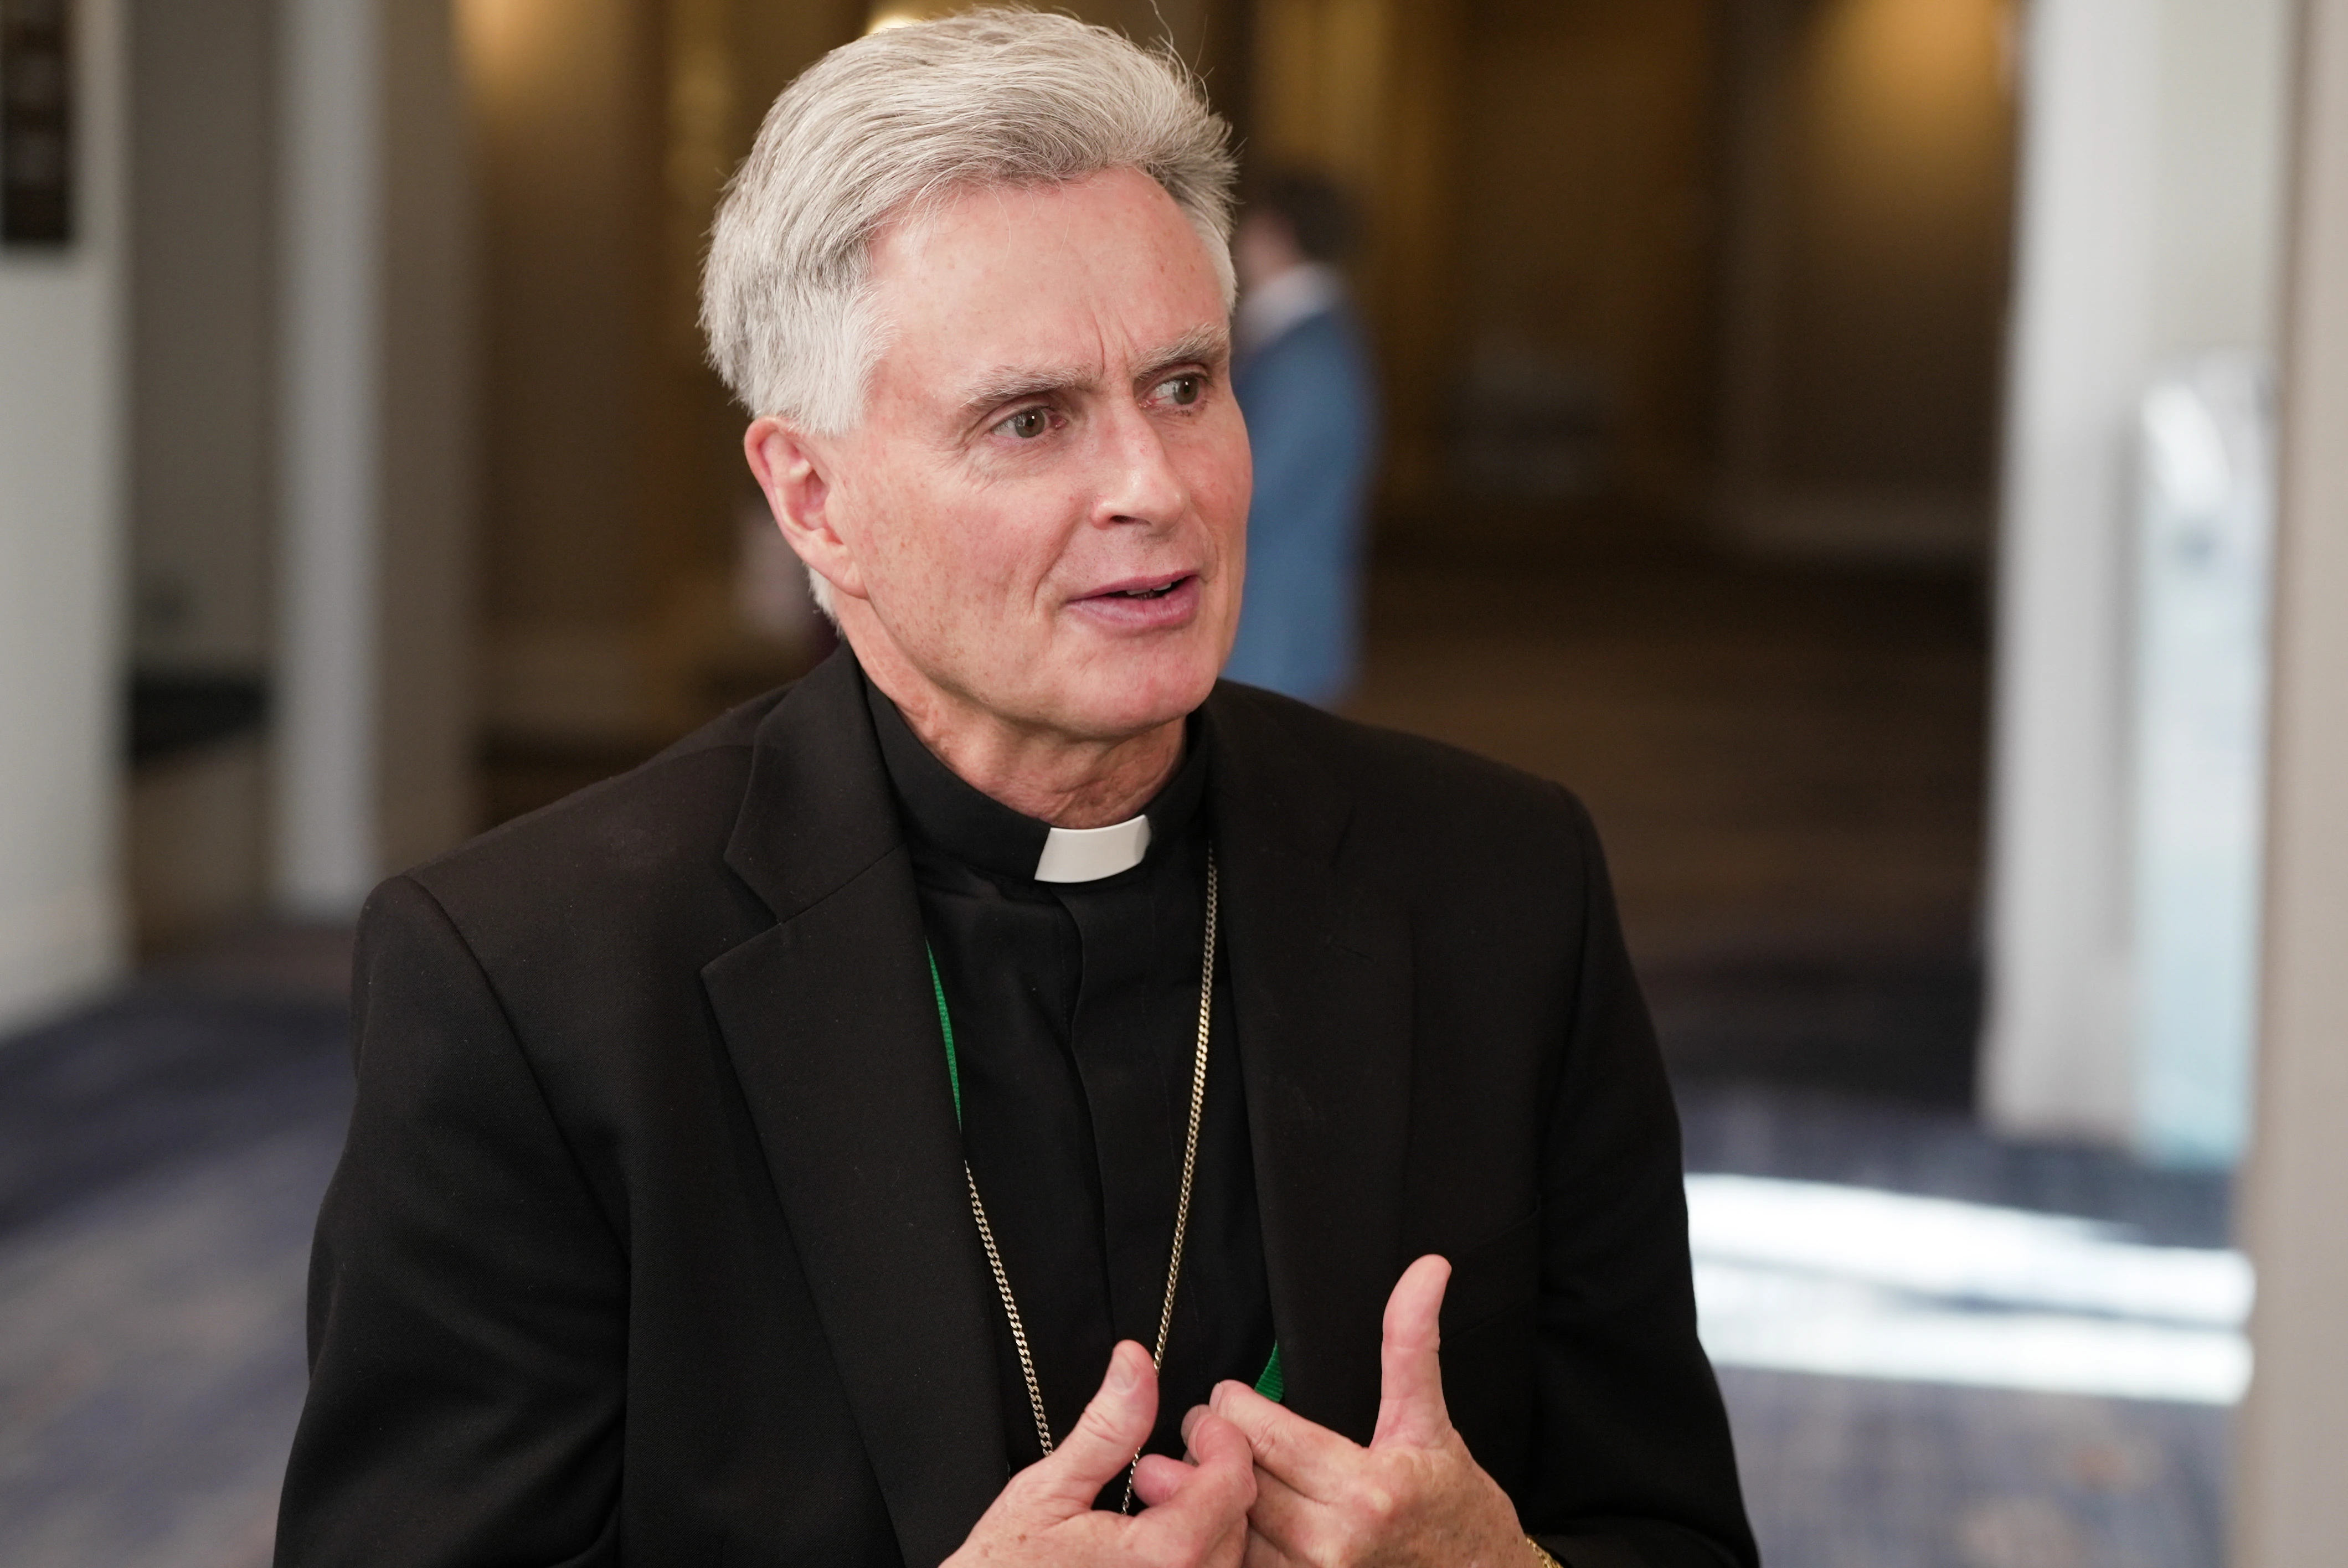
1271, 308
1089, 854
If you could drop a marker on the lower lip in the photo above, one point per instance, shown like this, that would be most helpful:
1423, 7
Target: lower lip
1177, 607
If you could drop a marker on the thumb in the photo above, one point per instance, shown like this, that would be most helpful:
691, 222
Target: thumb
1106, 1437
1410, 1402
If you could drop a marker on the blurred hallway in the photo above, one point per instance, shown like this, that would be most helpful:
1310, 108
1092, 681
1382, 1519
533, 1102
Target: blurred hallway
1785, 767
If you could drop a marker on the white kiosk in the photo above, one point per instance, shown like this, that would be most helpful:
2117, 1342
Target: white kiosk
2204, 539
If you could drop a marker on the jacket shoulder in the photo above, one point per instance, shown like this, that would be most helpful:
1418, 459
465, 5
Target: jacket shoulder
1420, 800
638, 842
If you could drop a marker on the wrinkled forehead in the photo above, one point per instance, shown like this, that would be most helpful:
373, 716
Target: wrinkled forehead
1103, 272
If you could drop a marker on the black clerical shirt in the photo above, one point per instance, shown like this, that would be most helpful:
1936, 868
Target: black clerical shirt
1074, 1008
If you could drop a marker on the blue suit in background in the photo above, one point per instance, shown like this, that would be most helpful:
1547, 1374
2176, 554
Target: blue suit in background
1312, 418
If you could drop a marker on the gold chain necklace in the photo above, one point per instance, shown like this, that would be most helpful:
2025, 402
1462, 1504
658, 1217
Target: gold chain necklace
1182, 1202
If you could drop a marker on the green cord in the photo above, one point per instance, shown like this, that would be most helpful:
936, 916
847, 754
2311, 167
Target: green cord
1271, 1384
945, 1027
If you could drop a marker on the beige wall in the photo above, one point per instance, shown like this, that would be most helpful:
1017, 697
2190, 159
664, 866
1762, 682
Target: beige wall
430, 476
2289, 1509
611, 471
1759, 248
199, 333
1367, 90
200, 435
1185, 24
1587, 215
566, 114
1869, 228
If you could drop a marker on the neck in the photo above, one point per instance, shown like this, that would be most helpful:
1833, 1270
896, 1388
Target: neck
1065, 780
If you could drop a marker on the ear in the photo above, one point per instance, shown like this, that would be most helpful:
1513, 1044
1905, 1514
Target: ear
794, 471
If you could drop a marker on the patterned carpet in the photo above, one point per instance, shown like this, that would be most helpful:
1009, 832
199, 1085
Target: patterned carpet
150, 1317
165, 1158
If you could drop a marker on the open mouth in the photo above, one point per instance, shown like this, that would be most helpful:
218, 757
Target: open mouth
1144, 604
1147, 591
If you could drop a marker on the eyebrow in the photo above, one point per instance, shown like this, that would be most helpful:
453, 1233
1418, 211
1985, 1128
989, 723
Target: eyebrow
1207, 344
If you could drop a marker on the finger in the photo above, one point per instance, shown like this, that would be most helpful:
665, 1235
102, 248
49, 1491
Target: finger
1209, 1499
1160, 1480
1285, 1520
1191, 1419
1312, 1459
1410, 1389
1106, 1437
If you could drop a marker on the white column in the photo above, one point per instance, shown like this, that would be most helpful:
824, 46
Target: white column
61, 453
2290, 1507
373, 733
2054, 1059
2148, 227
329, 456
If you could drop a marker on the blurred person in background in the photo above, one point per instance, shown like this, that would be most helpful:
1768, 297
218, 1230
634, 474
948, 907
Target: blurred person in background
1304, 381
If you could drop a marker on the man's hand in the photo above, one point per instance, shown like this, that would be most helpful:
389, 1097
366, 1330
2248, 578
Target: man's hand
1196, 1513
1414, 1498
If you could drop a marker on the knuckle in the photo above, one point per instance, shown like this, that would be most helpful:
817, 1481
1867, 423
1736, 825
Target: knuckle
1093, 1424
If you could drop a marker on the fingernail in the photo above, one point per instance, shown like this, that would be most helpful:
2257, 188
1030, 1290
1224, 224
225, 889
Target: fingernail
1123, 1375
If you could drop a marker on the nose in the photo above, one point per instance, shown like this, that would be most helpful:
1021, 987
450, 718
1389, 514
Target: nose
1138, 480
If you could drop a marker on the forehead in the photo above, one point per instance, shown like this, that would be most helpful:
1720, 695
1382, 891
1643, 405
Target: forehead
1088, 271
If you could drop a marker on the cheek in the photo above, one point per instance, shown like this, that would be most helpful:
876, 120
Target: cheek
974, 552
1231, 479
1223, 475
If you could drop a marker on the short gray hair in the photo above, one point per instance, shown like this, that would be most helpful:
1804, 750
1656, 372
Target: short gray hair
904, 118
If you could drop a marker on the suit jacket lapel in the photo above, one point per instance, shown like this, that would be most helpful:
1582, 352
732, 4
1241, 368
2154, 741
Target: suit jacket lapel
1322, 988
827, 1021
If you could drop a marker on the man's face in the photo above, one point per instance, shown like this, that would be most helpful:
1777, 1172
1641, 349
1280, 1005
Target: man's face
1045, 509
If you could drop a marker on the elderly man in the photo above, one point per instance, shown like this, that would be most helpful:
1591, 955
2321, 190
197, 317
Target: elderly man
856, 1134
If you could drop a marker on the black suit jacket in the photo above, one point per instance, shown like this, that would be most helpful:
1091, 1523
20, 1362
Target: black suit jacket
649, 1243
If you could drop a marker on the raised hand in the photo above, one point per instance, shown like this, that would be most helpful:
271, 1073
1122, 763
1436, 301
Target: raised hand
1196, 1513
1414, 1498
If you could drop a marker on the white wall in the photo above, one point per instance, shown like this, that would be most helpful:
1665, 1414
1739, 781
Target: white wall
2152, 160
2289, 1509
372, 757
60, 552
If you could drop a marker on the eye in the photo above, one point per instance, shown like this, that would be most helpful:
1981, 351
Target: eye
1028, 422
1183, 390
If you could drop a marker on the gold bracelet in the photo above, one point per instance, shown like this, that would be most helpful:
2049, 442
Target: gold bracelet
1541, 1552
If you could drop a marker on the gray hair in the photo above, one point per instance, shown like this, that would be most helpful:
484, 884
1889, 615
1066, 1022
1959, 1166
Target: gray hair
900, 120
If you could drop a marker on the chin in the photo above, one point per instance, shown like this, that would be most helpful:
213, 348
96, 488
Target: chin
1139, 696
